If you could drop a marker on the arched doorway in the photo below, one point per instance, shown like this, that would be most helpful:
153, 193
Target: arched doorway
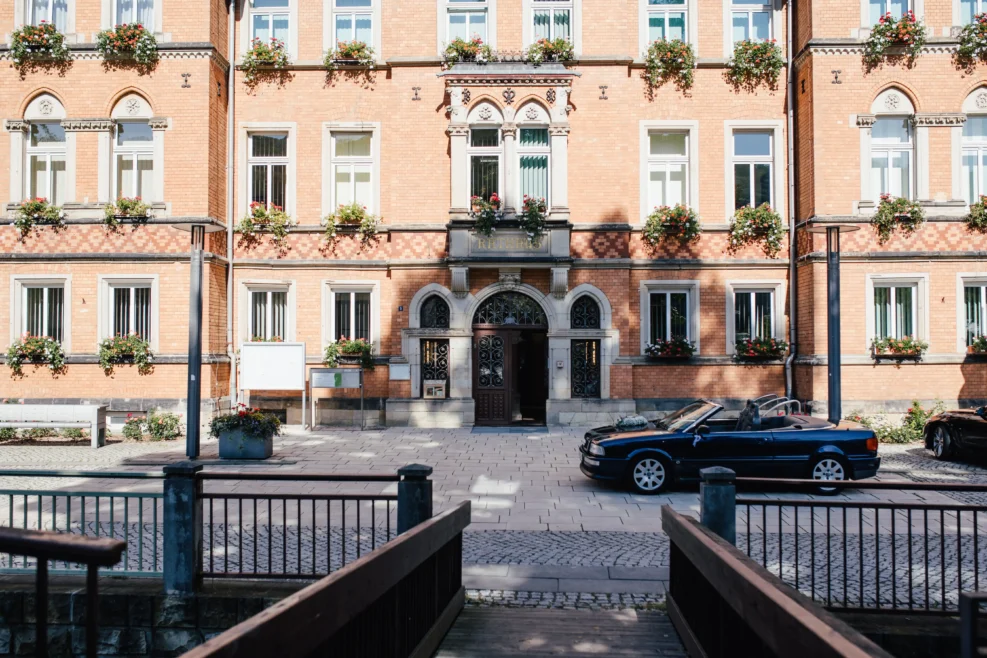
510, 360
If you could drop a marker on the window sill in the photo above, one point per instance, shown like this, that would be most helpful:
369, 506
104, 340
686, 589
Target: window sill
945, 209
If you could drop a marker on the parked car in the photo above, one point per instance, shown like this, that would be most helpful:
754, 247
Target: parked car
784, 445
959, 432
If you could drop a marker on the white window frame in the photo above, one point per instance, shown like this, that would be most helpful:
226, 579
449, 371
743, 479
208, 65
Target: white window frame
964, 280
108, 283
981, 7
245, 319
243, 150
331, 288
688, 286
776, 127
475, 151
329, 202
19, 283
751, 9
47, 152
691, 128
447, 7
691, 11
751, 161
109, 18
31, 19
575, 13
918, 6
921, 308
889, 149
330, 11
772, 6
144, 149
778, 290
977, 147
656, 162
522, 151
246, 28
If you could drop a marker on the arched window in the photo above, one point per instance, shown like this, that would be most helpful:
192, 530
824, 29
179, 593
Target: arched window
585, 313
134, 157
892, 146
485, 151
47, 151
533, 150
435, 313
974, 140
510, 308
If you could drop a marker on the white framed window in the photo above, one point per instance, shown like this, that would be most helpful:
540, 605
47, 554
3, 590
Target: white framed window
485, 151
268, 314
974, 310
49, 11
43, 310
891, 155
134, 11
47, 162
897, 306
466, 19
753, 313
129, 304
352, 168
352, 311
552, 19
974, 157
669, 309
879, 8
267, 169
668, 168
667, 20
969, 9
751, 20
133, 161
753, 168
353, 20
270, 19
534, 163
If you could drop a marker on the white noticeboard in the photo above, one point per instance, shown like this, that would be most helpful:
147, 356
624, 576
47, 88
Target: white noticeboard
273, 367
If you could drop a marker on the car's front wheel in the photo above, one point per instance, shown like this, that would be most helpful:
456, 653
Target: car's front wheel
650, 475
942, 443
828, 469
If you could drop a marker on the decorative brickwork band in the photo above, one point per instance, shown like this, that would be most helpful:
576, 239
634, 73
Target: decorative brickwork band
944, 119
460, 281
560, 281
16, 125
866, 120
87, 125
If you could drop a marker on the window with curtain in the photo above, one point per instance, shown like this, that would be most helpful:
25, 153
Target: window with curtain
891, 157
466, 19
894, 310
669, 315
267, 163
896, 8
269, 19
268, 314
135, 11
970, 8
485, 150
47, 175
134, 150
353, 20
975, 157
43, 311
352, 161
131, 310
551, 19
49, 11
750, 20
668, 169
351, 315
753, 314
667, 20
533, 162
752, 168
975, 307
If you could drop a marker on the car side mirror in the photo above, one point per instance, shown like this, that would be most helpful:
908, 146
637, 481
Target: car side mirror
702, 430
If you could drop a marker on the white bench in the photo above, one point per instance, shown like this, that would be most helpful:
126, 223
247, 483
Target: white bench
60, 416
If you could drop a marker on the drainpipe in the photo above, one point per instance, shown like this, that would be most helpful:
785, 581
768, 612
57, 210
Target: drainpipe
230, 87
792, 250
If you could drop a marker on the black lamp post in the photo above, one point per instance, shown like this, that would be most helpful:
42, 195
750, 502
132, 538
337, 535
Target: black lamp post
832, 232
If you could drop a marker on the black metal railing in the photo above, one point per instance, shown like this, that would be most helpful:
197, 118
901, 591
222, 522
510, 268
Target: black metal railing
45, 547
852, 555
971, 609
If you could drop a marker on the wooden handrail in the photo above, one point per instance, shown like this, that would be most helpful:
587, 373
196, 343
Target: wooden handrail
787, 622
300, 623
102, 552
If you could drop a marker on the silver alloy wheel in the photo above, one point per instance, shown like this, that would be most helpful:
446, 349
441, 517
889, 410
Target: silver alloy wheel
939, 442
828, 469
649, 474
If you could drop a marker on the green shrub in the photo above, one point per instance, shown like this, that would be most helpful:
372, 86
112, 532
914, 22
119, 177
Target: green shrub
133, 428
39, 433
163, 426
909, 430
8, 433
73, 433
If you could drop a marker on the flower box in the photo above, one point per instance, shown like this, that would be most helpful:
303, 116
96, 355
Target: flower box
890, 354
237, 444
898, 348
349, 359
973, 351
245, 433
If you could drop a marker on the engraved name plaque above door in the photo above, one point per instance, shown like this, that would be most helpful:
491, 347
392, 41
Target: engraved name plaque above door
509, 243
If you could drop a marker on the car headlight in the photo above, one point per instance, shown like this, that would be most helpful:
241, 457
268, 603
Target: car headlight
596, 449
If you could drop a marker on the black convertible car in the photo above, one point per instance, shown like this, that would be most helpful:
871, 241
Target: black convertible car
776, 444
952, 433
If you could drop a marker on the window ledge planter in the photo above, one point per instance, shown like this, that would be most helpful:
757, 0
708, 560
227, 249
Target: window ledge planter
357, 352
759, 350
879, 355
898, 348
676, 349
237, 444
975, 351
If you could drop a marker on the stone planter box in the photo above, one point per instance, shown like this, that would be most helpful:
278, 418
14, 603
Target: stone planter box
910, 356
237, 445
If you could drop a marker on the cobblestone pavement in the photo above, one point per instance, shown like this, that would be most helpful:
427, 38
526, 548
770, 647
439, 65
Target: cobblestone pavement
563, 600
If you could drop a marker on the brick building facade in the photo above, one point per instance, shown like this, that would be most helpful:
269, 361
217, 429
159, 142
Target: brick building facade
499, 328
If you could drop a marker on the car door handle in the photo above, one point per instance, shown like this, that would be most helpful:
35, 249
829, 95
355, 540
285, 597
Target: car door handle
763, 440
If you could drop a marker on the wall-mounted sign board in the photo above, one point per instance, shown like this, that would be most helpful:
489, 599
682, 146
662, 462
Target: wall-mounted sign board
273, 367
336, 378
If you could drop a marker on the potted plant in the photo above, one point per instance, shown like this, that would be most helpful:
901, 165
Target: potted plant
345, 351
245, 433
759, 349
905, 33
671, 223
550, 50
977, 346
973, 42
126, 209
907, 347
38, 43
273, 219
761, 224
486, 213
669, 60
270, 55
534, 213
352, 216
128, 348
128, 41
474, 50
976, 219
755, 63
349, 53
895, 213
36, 350
677, 347
35, 212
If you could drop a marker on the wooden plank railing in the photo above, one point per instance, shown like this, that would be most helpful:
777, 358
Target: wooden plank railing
396, 602
724, 604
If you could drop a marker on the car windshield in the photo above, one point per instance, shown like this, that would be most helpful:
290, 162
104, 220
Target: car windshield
684, 417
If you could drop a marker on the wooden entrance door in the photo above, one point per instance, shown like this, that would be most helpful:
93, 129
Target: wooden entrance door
492, 367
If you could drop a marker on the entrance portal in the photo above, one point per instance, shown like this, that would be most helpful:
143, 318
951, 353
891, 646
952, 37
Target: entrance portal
510, 360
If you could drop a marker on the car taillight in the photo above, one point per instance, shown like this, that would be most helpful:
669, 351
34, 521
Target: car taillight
872, 444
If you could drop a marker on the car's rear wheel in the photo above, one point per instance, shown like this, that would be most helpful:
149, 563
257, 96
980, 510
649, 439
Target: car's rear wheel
650, 475
828, 469
942, 443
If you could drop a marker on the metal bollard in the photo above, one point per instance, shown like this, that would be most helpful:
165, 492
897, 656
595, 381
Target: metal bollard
414, 496
718, 502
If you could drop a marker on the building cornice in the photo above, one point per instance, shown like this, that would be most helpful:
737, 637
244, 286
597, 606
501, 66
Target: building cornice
166, 50
931, 119
848, 46
87, 125
888, 256
678, 263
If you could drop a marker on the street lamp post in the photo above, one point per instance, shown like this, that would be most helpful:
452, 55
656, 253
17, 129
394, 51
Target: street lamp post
194, 395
